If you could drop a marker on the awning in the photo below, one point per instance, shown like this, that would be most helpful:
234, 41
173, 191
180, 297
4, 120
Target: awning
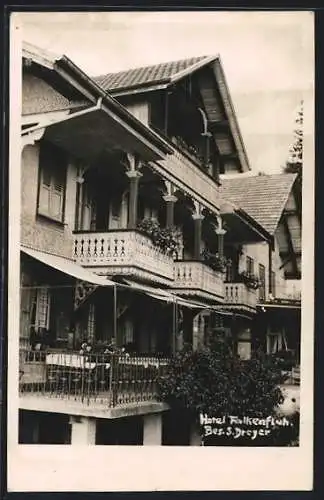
67, 266
165, 296
265, 305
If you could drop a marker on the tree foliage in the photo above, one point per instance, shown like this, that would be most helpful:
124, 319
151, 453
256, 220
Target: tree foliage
294, 163
213, 380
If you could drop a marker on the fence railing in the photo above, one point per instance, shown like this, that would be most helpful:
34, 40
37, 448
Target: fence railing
107, 379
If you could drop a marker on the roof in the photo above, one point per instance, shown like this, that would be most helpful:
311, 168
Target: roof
263, 197
41, 56
151, 75
162, 75
65, 68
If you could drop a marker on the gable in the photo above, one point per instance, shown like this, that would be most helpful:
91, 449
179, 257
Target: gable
208, 74
288, 236
39, 97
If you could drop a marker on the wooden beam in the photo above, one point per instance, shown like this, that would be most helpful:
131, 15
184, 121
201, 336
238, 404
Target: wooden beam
217, 126
285, 254
293, 276
292, 211
230, 156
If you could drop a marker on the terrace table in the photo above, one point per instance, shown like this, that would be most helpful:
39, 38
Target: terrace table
73, 361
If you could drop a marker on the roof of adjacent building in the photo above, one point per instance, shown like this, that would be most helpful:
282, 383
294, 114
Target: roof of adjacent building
151, 75
263, 197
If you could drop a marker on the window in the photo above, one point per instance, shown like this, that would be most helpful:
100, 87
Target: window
249, 265
128, 334
41, 309
262, 282
273, 283
52, 182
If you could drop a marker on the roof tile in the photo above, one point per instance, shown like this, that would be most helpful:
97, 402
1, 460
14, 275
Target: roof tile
155, 74
263, 197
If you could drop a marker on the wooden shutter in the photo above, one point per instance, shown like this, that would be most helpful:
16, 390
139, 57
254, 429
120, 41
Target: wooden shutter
262, 282
57, 194
42, 308
52, 181
91, 322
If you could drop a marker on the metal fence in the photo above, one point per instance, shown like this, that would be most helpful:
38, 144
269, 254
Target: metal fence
108, 379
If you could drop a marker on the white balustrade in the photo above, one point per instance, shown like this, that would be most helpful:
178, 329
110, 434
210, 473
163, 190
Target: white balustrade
122, 252
240, 294
198, 278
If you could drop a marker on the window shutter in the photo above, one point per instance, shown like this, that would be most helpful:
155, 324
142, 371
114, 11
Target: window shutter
52, 181
91, 323
42, 308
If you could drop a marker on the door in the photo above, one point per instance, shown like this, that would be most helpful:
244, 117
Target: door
115, 213
102, 216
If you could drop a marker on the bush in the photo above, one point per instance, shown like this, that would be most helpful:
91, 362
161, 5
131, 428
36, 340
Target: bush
215, 382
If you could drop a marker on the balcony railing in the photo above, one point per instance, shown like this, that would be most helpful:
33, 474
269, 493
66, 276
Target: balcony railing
186, 172
238, 294
123, 252
96, 379
196, 278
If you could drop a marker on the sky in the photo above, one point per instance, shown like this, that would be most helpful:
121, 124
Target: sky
267, 58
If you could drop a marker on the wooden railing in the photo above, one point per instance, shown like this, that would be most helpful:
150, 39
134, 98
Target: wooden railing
196, 278
110, 380
124, 252
187, 175
239, 294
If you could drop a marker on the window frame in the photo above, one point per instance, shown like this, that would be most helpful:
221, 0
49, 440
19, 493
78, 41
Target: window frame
262, 279
54, 175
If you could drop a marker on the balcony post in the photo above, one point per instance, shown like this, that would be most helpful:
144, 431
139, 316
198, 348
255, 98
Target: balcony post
134, 176
220, 237
198, 331
83, 430
198, 218
170, 201
152, 430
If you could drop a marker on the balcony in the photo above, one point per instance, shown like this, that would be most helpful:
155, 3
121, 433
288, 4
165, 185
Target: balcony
241, 297
96, 382
123, 252
195, 278
187, 173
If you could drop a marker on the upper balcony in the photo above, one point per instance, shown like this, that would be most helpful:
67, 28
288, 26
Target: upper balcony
241, 297
123, 252
194, 278
186, 170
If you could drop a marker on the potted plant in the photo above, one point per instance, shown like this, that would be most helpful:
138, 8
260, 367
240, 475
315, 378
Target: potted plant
250, 280
214, 260
167, 239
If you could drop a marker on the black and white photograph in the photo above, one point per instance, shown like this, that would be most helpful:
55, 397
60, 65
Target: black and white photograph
161, 246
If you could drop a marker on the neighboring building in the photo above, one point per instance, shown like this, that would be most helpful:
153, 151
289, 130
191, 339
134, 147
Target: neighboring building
98, 176
275, 202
